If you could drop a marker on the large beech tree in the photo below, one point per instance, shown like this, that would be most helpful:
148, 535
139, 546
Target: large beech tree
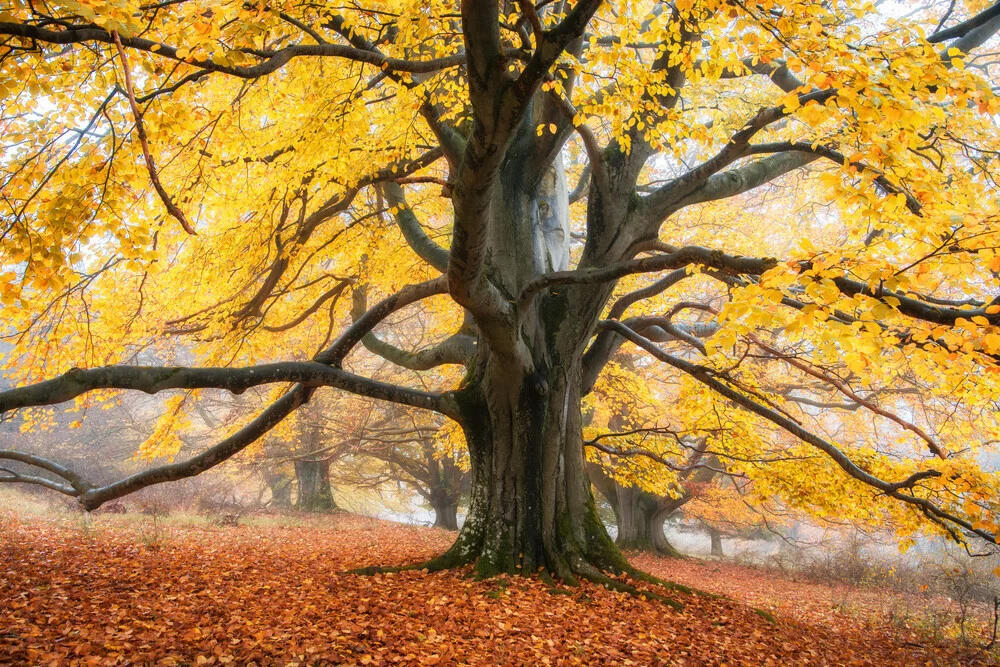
201, 179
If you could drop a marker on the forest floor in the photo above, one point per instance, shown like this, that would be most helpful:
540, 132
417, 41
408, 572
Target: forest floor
131, 590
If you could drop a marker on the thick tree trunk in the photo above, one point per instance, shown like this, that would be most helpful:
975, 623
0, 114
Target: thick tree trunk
531, 507
446, 515
315, 494
634, 515
280, 485
640, 515
661, 544
716, 543
444, 484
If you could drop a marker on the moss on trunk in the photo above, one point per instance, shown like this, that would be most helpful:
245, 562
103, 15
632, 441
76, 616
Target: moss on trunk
315, 493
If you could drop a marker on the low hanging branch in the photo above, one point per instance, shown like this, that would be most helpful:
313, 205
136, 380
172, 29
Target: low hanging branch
891, 489
140, 129
459, 348
323, 370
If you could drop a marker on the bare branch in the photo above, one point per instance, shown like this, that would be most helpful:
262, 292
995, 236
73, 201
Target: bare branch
75, 481
413, 231
154, 379
271, 61
836, 156
332, 293
363, 325
681, 257
658, 205
777, 71
843, 388
17, 478
597, 355
140, 129
744, 179
553, 43
316, 372
456, 349
966, 27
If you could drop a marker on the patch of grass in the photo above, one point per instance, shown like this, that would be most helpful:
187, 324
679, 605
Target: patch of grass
674, 586
272, 520
766, 615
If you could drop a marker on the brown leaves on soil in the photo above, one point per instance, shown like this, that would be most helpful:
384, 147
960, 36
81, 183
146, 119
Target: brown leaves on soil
278, 595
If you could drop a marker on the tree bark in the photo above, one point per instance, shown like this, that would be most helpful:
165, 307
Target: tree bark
531, 505
445, 490
315, 493
661, 544
716, 537
446, 515
634, 514
280, 485
640, 515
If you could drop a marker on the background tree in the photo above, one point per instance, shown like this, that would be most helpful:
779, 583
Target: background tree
288, 138
416, 459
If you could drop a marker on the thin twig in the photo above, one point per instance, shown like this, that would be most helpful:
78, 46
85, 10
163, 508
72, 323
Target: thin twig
144, 142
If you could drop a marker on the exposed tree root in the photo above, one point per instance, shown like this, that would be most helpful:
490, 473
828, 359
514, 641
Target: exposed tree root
578, 566
447, 561
670, 585
590, 573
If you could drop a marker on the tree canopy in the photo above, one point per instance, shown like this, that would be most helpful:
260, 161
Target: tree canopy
591, 230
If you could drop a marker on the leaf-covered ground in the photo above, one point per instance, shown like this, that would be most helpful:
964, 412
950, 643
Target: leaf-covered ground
123, 592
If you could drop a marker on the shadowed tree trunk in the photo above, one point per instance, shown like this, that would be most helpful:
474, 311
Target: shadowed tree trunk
640, 515
634, 514
716, 537
413, 461
315, 493
280, 485
445, 512
446, 488
312, 468
661, 544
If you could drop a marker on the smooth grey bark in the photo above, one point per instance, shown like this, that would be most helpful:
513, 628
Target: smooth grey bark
640, 515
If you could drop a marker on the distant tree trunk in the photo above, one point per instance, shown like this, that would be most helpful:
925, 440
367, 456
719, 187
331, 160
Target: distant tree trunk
633, 512
716, 542
640, 515
280, 485
660, 542
445, 514
315, 494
